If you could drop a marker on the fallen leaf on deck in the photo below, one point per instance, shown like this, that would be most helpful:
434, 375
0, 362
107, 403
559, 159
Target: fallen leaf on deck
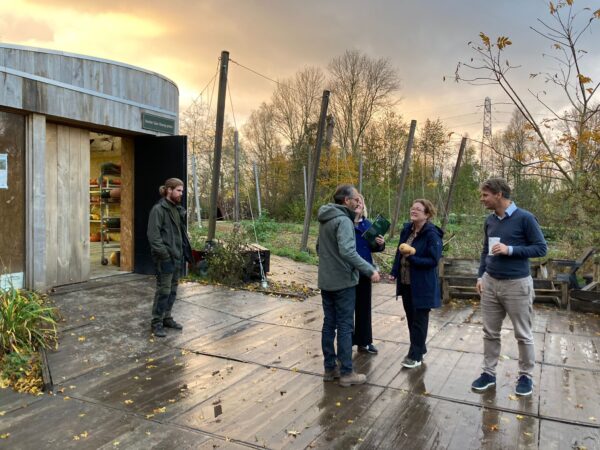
160, 410
128, 402
520, 417
151, 366
512, 397
350, 421
579, 405
84, 434
81, 338
2, 413
66, 397
4, 435
338, 403
293, 433
494, 427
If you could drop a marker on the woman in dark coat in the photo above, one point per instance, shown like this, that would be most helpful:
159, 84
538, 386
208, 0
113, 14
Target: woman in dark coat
416, 274
363, 332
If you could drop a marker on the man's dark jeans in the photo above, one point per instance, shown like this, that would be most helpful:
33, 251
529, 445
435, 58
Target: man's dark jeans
338, 309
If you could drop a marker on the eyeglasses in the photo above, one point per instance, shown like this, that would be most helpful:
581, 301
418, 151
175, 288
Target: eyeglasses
417, 209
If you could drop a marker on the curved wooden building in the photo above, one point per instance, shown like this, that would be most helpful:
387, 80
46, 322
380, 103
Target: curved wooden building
64, 119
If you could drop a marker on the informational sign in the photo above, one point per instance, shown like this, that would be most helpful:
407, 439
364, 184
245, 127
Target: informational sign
157, 123
11, 279
3, 170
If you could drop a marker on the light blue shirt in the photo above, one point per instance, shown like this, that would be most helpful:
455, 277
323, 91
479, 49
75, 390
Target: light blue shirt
509, 211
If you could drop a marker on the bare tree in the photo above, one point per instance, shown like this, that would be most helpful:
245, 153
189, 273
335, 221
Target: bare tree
296, 105
361, 87
263, 145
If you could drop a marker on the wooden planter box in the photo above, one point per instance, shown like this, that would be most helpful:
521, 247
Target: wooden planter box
458, 277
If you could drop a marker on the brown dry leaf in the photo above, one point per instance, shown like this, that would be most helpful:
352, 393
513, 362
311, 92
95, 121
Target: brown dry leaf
494, 427
579, 405
160, 410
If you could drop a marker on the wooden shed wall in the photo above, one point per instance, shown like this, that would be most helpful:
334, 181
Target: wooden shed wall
82, 89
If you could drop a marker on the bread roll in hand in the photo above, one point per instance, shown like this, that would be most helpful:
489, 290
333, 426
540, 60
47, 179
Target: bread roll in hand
406, 249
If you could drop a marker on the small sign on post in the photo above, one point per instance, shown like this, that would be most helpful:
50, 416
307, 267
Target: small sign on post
158, 123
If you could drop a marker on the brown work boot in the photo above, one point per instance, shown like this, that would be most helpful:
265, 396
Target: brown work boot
331, 374
352, 378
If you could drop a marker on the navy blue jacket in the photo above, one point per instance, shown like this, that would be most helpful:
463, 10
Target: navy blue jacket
424, 281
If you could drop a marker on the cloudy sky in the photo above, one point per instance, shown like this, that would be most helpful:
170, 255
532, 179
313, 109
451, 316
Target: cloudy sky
182, 39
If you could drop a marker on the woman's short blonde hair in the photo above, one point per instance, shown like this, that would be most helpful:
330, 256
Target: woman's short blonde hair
364, 213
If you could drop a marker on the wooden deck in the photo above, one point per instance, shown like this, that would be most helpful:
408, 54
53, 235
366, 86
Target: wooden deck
246, 373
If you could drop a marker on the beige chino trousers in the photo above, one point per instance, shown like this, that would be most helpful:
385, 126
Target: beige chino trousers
515, 298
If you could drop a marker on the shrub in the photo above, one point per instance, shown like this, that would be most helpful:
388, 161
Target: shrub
226, 260
26, 323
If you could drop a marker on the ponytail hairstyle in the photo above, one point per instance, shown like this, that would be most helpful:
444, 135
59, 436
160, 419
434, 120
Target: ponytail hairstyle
171, 183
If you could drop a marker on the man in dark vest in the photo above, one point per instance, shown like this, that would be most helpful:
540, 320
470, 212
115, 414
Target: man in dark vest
170, 247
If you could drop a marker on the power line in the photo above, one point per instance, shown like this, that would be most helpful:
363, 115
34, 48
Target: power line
255, 72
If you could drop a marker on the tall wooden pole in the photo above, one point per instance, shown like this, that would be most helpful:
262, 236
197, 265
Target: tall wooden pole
405, 165
360, 173
214, 193
236, 187
305, 187
314, 171
463, 144
196, 193
257, 189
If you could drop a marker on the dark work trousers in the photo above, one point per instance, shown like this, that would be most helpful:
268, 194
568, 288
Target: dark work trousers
167, 278
363, 332
417, 320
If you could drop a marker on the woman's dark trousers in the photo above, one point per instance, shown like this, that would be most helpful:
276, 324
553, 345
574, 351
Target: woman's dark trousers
363, 332
417, 320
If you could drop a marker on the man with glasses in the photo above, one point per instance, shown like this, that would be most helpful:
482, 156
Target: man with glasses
339, 264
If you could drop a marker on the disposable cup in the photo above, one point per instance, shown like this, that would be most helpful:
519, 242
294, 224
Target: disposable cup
491, 242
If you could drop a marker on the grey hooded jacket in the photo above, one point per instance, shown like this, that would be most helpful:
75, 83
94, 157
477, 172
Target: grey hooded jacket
339, 262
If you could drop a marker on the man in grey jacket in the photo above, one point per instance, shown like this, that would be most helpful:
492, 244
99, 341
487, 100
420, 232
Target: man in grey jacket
339, 264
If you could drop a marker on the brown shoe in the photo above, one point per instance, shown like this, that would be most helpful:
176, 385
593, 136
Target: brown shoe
352, 378
332, 374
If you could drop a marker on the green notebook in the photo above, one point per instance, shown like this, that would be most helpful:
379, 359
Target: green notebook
380, 226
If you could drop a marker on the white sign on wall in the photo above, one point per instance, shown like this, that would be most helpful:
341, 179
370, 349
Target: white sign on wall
3, 170
11, 279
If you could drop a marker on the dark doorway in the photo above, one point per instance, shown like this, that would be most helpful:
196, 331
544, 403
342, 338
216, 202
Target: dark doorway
156, 159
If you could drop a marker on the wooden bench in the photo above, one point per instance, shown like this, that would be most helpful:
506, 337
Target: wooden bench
458, 277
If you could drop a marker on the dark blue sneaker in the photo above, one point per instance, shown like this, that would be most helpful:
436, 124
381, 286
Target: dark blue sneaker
485, 381
524, 386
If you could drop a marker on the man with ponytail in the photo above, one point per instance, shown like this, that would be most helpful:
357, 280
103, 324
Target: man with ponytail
170, 247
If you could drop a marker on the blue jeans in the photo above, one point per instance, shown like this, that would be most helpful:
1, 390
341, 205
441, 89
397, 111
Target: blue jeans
338, 310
